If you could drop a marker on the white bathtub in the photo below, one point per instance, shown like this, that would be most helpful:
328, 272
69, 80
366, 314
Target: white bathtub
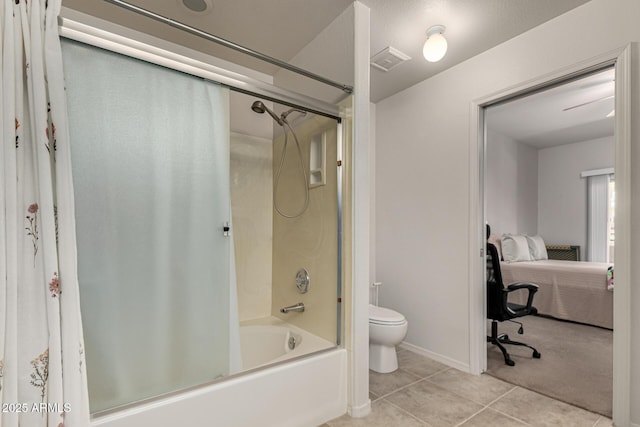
302, 392
270, 340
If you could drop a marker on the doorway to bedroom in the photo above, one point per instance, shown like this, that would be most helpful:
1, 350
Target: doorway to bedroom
549, 197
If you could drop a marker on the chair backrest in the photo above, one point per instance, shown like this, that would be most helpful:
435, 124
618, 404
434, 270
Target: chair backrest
494, 275
494, 282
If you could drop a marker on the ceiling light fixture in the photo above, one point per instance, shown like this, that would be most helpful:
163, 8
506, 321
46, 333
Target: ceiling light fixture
436, 45
197, 6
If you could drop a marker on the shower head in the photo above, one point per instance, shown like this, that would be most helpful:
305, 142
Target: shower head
260, 108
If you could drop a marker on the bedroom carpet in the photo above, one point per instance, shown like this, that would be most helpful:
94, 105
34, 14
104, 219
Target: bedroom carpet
576, 366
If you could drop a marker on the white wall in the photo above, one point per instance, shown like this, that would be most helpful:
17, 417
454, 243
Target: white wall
562, 197
512, 185
331, 55
423, 181
540, 191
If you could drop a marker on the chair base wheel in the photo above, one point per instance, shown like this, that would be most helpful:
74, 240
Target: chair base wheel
499, 340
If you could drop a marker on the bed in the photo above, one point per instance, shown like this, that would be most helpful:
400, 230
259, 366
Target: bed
569, 290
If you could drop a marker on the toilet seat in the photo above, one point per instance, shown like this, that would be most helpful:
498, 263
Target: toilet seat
385, 316
387, 329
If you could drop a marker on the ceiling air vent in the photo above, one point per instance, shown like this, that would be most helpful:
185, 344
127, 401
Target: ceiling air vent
388, 58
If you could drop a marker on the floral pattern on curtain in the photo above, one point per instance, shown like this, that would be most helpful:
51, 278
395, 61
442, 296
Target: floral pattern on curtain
42, 373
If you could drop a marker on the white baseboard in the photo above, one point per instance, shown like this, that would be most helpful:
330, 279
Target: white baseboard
360, 411
464, 367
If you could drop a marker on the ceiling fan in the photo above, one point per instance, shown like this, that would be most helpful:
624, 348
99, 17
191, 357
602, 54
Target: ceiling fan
588, 102
603, 98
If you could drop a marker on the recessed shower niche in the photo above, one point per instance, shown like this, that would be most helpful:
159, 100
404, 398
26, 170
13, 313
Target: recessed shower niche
317, 159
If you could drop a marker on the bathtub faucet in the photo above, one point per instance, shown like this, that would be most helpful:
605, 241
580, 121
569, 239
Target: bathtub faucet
297, 307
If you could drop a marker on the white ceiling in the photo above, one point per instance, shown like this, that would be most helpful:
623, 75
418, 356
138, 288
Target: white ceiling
281, 28
472, 26
572, 112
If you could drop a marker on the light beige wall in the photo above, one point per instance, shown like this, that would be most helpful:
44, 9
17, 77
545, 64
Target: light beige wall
309, 241
251, 207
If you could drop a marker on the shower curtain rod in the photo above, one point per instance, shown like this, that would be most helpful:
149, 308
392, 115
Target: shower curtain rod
345, 88
96, 32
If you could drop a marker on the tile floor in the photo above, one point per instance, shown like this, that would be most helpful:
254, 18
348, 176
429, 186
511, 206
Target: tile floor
426, 393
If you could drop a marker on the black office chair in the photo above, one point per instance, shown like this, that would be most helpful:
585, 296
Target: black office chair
499, 309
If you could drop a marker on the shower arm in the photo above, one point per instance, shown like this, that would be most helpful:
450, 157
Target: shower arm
284, 115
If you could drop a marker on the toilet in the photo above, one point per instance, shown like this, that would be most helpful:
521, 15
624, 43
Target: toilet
387, 328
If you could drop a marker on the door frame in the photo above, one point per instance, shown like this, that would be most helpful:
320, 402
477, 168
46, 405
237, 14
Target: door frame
620, 59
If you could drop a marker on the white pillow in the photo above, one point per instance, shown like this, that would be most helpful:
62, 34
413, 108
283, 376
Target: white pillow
537, 248
515, 248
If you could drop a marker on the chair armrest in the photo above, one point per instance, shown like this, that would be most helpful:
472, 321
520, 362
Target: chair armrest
531, 287
522, 285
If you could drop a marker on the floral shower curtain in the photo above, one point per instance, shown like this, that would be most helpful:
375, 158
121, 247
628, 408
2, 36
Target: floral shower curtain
42, 372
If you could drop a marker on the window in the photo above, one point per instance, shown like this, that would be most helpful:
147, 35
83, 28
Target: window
600, 214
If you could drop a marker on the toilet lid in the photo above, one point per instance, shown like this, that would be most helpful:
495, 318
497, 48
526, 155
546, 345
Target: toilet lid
384, 315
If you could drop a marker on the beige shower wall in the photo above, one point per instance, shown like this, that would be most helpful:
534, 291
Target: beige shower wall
309, 241
251, 193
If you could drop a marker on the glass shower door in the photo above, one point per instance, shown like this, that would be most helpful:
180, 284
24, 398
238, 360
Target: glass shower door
150, 154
